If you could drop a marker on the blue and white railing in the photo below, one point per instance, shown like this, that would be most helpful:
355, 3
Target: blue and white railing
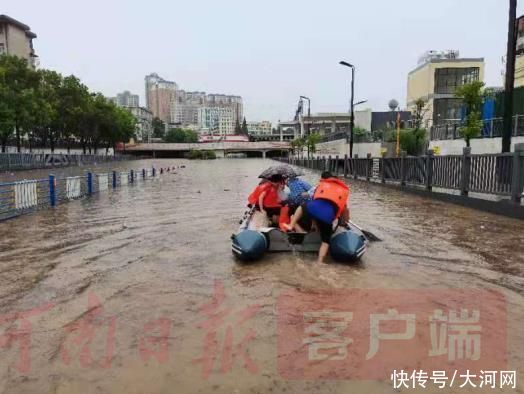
20, 197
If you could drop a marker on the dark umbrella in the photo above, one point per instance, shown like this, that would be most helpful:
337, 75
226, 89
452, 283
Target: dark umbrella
285, 170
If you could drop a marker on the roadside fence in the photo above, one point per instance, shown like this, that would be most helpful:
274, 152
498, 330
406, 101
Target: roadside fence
496, 174
21, 197
30, 161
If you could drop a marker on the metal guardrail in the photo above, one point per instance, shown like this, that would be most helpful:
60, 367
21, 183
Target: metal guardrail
491, 128
21, 197
29, 161
496, 174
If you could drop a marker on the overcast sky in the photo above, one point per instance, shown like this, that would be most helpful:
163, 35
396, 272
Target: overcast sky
269, 52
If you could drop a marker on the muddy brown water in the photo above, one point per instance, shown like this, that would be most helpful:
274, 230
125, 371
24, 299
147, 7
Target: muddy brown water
146, 258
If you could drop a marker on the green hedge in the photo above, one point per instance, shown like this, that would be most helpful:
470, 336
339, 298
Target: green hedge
201, 155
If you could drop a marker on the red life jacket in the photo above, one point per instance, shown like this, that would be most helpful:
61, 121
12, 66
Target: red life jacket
271, 199
334, 190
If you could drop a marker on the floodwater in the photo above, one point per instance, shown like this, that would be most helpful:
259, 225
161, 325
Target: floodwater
103, 277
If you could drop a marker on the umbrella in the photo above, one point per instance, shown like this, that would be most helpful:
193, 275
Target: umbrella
285, 170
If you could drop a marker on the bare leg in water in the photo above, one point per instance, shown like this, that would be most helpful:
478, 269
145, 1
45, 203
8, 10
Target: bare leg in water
293, 225
322, 252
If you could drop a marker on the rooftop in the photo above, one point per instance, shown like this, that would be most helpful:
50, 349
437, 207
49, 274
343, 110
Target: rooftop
20, 25
456, 61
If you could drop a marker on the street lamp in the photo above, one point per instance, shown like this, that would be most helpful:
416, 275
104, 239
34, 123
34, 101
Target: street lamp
352, 106
308, 113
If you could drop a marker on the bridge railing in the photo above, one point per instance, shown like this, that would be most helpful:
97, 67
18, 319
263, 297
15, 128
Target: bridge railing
26, 196
29, 161
495, 174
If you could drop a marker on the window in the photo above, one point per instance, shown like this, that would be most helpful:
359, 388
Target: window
448, 79
2, 49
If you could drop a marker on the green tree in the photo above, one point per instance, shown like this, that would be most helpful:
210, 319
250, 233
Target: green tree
413, 141
298, 145
245, 131
159, 128
311, 142
238, 128
420, 110
472, 95
179, 135
19, 84
7, 124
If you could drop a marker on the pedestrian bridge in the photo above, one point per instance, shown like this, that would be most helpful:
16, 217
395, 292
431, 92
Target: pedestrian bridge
222, 149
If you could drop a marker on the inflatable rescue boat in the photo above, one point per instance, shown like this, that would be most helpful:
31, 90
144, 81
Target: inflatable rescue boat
254, 238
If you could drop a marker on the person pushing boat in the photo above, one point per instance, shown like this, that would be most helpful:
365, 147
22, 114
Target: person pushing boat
329, 203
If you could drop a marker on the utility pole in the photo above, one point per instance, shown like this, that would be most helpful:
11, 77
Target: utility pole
351, 105
510, 76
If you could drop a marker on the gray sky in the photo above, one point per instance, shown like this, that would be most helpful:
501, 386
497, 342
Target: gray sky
270, 52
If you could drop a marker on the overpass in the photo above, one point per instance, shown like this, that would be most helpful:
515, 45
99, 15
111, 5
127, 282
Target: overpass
221, 149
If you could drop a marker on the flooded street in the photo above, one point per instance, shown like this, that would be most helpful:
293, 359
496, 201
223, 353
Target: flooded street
144, 261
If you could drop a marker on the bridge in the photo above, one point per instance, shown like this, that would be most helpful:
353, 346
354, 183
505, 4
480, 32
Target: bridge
221, 149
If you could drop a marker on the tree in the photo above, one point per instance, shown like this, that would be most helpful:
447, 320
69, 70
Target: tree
418, 113
159, 128
311, 142
245, 131
20, 83
472, 95
238, 128
298, 145
179, 135
44, 107
412, 141
7, 124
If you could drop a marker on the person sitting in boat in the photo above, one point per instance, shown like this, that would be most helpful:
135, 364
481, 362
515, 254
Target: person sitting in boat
329, 203
266, 198
298, 192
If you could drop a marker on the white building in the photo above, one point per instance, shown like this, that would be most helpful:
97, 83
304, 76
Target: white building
259, 128
144, 123
216, 120
16, 39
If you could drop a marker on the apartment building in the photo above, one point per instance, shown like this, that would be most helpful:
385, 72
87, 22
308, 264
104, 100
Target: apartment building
160, 95
16, 39
216, 120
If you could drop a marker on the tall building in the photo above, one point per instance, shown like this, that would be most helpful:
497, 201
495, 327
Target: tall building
181, 107
216, 120
436, 79
186, 106
259, 128
160, 95
16, 39
227, 101
126, 99
519, 64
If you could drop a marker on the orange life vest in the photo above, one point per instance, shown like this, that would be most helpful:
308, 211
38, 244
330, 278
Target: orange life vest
271, 200
334, 190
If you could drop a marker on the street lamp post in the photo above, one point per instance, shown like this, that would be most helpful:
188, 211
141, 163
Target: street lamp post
308, 113
352, 106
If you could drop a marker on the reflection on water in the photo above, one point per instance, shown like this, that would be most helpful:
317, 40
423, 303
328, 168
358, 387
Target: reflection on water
154, 250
